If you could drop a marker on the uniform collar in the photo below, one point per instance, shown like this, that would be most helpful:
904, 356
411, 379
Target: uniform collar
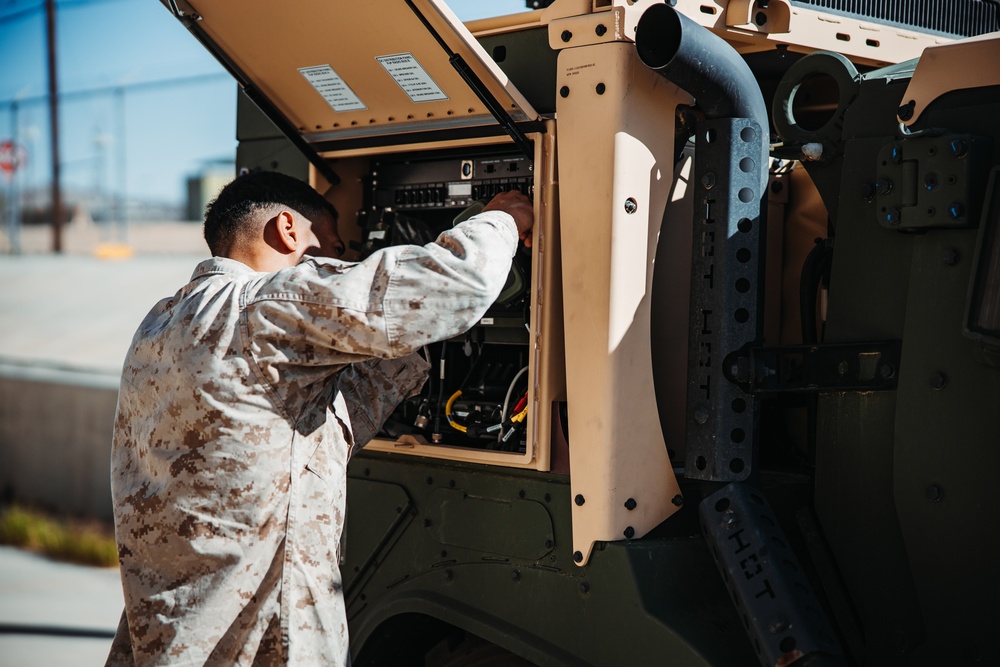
220, 265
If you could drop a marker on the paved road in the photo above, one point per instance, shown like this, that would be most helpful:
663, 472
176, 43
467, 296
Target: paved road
55, 614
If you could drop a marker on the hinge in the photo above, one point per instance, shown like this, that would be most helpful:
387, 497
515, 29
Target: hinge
930, 182
829, 367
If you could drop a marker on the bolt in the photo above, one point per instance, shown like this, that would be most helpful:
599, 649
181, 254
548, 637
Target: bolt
515, 575
896, 154
938, 381
883, 186
959, 148
957, 210
905, 112
887, 371
566, 35
934, 493
600, 89
701, 415
867, 191
631, 206
579, 500
950, 257
708, 180
931, 181
729, 519
578, 556
601, 29
677, 500
893, 216
777, 624
630, 504
564, 91
629, 532
584, 587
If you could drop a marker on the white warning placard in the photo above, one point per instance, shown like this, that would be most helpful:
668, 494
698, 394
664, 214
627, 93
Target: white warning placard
333, 89
411, 77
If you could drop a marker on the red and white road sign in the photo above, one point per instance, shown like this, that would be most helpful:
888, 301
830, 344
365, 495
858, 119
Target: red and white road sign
12, 157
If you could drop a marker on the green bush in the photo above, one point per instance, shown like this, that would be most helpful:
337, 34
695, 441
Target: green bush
88, 543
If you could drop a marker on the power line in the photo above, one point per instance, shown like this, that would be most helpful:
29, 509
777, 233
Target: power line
126, 87
40, 6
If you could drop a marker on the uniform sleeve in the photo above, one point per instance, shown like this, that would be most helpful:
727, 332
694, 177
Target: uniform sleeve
372, 389
325, 312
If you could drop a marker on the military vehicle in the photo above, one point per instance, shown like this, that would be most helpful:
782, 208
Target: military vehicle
739, 403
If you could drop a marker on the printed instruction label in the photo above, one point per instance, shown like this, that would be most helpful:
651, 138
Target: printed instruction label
411, 77
333, 89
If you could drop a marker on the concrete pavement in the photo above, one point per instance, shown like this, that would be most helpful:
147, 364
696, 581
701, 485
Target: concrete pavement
55, 613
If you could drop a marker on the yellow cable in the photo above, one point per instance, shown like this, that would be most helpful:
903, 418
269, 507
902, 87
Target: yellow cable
519, 417
447, 412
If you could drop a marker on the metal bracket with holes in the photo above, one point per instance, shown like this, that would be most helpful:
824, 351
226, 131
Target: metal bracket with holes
726, 297
777, 605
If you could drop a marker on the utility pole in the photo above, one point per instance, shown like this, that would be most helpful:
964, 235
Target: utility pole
50, 22
121, 202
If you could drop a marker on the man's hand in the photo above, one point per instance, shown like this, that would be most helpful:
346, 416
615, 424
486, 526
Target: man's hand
520, 208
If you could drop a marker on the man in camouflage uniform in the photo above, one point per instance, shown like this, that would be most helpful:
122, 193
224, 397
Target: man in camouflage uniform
242, 398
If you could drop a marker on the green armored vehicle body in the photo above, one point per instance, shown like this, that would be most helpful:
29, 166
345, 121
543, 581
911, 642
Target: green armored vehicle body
737, 404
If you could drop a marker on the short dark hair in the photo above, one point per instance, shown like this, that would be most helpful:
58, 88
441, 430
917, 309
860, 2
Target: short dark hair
227, 215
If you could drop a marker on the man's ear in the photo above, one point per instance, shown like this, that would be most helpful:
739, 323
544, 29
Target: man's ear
287, 232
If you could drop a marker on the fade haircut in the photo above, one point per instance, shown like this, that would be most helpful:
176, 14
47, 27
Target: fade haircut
231, 218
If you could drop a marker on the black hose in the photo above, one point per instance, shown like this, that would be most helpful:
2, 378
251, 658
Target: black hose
683, 52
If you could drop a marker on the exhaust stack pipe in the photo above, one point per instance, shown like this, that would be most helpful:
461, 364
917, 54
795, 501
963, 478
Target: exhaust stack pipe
690, 56
729, 237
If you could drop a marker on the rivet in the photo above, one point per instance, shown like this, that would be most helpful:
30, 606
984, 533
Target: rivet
938, 381
515, 575
677, 500
548, 544
601, 29
893, 216
950, 257
578, 556
566, 35
564, 91
600, 89
584, 587
579, 500
905, 112
630, 504
701, 414
934, 493
629, 532
883, 186
448, 575
708, 181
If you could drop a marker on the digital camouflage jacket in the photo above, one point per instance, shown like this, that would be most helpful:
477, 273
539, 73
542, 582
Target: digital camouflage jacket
234, 428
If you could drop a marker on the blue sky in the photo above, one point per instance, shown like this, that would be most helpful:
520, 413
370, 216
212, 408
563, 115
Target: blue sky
169, 131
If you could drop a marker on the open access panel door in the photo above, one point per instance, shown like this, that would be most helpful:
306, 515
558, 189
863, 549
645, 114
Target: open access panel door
335, 76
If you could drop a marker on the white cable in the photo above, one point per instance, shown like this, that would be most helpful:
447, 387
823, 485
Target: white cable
506, 400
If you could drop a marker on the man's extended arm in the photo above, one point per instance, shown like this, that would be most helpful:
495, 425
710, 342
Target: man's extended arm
372, 389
